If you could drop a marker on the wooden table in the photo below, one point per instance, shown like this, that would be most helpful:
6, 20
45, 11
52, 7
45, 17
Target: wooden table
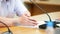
23, 30
44, 17
49, 6
49, 2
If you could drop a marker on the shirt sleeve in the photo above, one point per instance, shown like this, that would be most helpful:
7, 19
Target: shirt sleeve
19, 7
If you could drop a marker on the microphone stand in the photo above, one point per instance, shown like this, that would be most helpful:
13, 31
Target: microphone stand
7, 32
50, 20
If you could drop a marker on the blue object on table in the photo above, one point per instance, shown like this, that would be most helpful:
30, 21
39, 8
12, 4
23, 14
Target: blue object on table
49, 23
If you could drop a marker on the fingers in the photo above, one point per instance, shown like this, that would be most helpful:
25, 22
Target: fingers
32, 22
28, 21
27, 15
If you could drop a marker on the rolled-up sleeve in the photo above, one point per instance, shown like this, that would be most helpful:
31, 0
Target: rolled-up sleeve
19, 7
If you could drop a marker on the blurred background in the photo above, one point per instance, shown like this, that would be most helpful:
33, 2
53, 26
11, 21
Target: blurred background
51, 6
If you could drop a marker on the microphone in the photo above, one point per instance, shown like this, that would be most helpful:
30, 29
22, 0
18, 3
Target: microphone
7, 32
50, 20
42, 10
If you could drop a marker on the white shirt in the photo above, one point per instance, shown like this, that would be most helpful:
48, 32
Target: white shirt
11, 7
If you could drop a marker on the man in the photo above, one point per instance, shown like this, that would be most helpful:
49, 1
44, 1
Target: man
8, 9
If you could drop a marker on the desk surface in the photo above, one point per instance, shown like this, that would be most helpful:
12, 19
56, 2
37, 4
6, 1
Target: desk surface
23, 30
49, 2
43, 17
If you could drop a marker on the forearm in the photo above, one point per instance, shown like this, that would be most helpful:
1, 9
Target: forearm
8, 21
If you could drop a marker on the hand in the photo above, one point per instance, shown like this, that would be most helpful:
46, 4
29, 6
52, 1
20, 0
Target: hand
27, 13
27, 21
